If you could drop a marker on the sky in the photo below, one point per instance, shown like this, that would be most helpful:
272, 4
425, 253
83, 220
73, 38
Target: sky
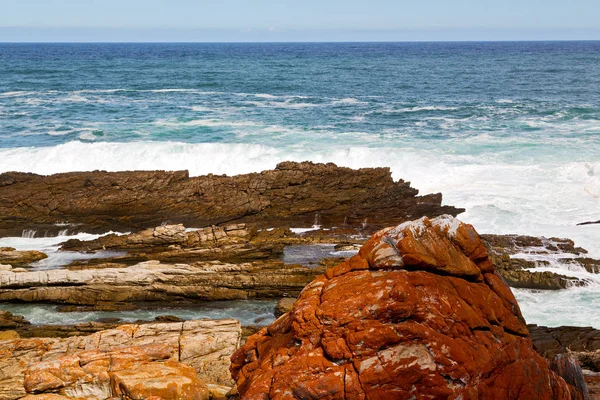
297, 20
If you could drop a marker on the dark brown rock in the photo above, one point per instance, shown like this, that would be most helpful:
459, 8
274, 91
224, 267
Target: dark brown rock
549, 342
568, 368
504, 250
8, 321
291, 195
589, 222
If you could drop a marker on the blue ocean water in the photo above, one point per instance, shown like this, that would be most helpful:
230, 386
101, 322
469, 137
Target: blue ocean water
508, 130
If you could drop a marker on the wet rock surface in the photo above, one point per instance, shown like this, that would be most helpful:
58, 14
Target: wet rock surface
293, 194
418, 310
10, 321
517, 256
168, 360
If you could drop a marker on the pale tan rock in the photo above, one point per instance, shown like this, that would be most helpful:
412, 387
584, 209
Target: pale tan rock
154, 281
218, 391
16, 258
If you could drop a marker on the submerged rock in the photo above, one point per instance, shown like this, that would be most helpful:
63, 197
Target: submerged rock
293, 194
168, 360
418, 312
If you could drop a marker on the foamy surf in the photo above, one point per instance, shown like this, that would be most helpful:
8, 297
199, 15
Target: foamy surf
533, 198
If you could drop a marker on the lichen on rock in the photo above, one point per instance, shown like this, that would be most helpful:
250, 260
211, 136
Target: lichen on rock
418, 313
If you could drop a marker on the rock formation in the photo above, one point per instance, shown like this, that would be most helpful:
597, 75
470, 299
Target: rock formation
294, 194
569, 369
153, 281
168, 360
507, 252
552, 341
419, 312
14, 258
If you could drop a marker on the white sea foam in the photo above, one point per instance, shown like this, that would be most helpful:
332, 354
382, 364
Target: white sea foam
204, 122
16, 93
500, 195
503, 192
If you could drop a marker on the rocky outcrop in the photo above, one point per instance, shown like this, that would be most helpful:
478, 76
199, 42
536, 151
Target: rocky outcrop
168, 360
176, 244
419, 312
589, 223
293, 194
593, 383
552, 341
284, 305
164, 237
569, 369
18, 259
153, 281
10, 321
516, 257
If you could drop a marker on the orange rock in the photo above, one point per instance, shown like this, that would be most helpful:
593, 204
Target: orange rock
130, 372
418, 313
170, 380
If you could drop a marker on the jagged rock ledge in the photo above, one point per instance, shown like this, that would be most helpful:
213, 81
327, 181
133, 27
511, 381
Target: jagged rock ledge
517, 256
293, 194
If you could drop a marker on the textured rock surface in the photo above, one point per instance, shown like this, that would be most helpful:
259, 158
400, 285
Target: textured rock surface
293, 194
153, 281
593, 383
15, 258
507, 252
418, 312
569, 369
10, 321
552, 341
143, 360
284, 305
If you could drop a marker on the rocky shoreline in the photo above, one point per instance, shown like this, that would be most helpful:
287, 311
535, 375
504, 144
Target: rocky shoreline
293, 194
240, 254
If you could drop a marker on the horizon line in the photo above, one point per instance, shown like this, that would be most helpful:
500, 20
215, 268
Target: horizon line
301, 41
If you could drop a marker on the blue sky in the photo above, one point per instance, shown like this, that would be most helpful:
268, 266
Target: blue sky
297, 20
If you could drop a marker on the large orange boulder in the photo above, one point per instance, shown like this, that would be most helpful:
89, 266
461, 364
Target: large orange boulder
418, 313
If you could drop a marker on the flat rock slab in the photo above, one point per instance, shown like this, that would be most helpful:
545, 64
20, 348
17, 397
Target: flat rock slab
153, 281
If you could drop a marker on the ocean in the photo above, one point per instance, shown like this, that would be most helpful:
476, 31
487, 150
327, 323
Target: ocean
508, 130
